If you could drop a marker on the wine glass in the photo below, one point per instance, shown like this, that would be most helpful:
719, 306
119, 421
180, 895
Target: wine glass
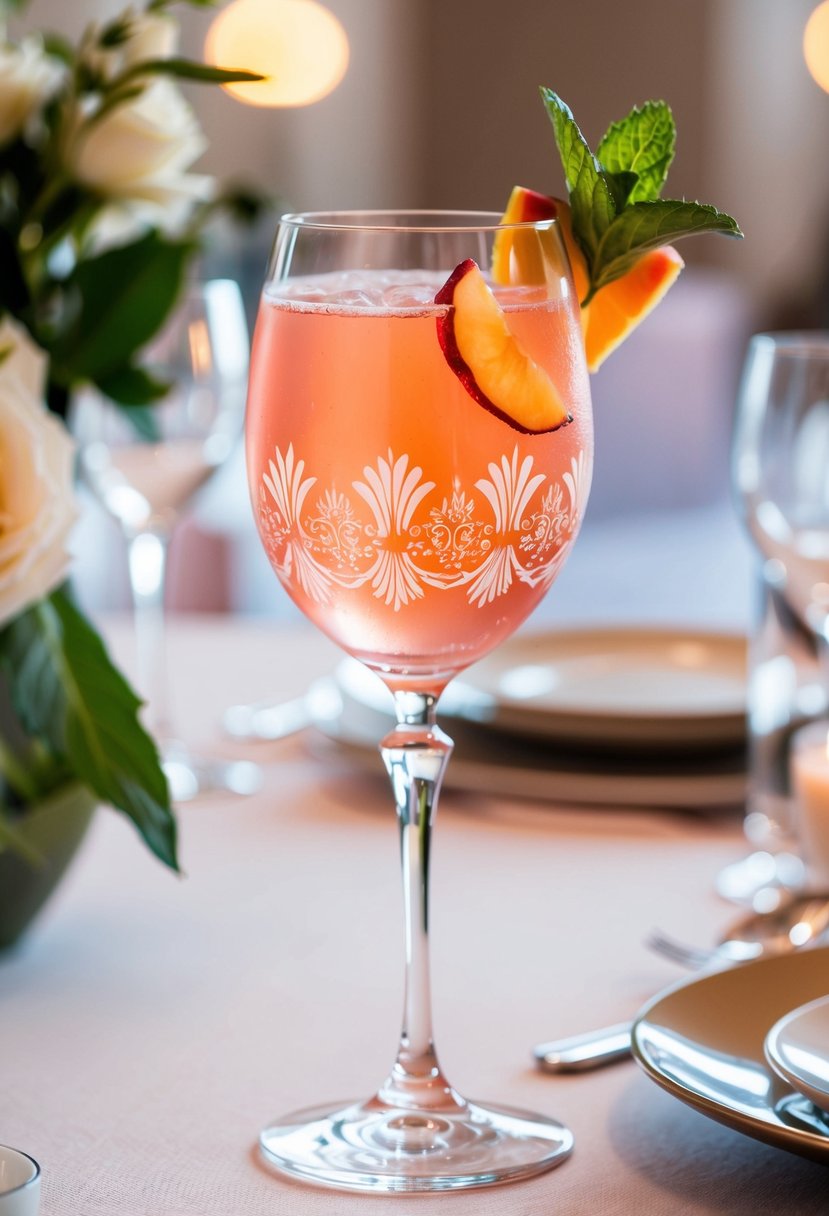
145, 478
416, 525
781, 474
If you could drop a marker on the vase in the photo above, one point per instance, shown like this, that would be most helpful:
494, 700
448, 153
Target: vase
55, 828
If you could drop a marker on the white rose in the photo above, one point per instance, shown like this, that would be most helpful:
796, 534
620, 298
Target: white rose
152, 36
28, 78
140, 152
37, 501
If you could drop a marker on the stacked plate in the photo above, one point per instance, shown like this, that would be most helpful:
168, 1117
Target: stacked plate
617, 717
749, 1047
797, 1048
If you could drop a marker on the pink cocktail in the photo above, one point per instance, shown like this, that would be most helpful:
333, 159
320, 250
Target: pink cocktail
412, 526
412, 514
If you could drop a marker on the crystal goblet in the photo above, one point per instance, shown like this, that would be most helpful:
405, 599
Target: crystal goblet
417, 523
146, 483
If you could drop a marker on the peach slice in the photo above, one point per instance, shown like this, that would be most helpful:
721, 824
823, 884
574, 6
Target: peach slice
488, 360
517, 255
616, 309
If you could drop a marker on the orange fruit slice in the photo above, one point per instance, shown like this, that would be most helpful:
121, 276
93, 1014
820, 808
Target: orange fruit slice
518, 254
484, 354
617, 308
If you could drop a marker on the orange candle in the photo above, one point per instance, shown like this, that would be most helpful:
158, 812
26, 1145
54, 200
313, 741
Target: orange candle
810, 783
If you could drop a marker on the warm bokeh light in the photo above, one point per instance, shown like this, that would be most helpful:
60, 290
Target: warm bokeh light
816, 45
298, 44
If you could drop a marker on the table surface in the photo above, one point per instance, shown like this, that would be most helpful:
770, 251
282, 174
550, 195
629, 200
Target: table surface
152, 1023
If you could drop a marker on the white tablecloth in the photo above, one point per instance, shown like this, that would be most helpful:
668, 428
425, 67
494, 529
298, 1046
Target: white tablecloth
151, 1024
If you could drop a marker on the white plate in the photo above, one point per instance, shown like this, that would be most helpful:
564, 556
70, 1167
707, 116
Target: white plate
797, 1047
704, 1041
650, 686
355, 712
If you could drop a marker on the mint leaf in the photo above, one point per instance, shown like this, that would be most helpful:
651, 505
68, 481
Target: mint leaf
647, 225
67, 692
591, 201
621, 186
615, 209
642, 143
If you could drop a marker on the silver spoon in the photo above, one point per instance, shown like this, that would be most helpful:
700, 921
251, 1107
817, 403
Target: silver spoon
799, 921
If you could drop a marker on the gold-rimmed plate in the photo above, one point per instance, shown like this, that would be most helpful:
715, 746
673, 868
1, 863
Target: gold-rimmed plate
704, 1042
357, 711
615, 686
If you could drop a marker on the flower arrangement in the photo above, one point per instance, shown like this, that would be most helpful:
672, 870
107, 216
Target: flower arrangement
100, 218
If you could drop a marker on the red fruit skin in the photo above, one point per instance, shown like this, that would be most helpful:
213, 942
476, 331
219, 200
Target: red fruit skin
535, 207
446, 338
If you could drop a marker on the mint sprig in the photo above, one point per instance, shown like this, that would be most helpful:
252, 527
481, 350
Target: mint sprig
615, 204
643, 145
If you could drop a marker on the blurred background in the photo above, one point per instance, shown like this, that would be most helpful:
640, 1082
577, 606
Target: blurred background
439, 107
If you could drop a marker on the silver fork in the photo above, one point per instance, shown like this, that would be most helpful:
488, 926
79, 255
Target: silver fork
735, 951
801, 919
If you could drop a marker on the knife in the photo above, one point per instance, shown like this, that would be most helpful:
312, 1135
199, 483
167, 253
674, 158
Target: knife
585, 1051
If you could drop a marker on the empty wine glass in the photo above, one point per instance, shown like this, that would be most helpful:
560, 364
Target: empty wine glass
146, 484
781, 474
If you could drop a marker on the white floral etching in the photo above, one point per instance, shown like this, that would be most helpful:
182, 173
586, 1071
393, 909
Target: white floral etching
509, 490
284, 529
399, 537
394, 492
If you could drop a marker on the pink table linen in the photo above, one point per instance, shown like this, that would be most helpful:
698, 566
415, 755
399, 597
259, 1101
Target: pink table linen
151, 1024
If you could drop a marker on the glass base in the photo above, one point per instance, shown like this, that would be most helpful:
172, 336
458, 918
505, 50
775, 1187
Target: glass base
370, 1146
760, 879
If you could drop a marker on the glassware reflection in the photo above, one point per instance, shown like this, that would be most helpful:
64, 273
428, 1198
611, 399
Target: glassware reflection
145, 467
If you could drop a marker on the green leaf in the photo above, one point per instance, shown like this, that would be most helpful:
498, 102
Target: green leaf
114, 99
615, 208
58, 47
621, 186
67, 692
644, 226
591, 201
188, 69
63, 210
125, 296
134, 390
14, 291
21, 178
157, 6
144, 422
642, 143
131, 386
242, 202
117, 32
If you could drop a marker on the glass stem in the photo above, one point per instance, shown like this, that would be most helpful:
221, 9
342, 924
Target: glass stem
147, 554
415, 754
